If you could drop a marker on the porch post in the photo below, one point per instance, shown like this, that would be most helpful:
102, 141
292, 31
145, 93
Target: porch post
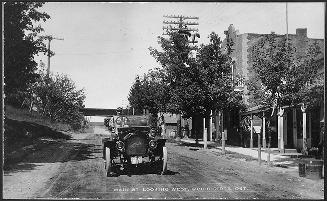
294, 129
222, 133
251, 129
304, 145
284, 117
263, 131
281, 130
278, 130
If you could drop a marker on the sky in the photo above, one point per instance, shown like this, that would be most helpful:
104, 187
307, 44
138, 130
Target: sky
106, 44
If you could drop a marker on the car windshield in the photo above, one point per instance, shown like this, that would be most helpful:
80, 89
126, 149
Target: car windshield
131, 120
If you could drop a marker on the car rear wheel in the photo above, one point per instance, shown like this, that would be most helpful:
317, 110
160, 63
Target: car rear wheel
164, 160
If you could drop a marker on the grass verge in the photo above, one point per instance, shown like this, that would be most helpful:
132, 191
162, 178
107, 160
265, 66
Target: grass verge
26, 132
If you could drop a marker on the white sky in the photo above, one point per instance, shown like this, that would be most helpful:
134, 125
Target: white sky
106, 44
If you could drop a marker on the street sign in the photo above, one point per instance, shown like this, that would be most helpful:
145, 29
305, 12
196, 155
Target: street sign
257, 129
257, 121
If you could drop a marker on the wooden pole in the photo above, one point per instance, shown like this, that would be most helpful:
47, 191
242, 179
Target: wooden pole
251, 129
210, 126
259, 149
268, 156
269, 143
294, 129
179, 122
264, 131
48, 69
204, 134
222, 133
309, 136
217, 124
281, 130
303, 108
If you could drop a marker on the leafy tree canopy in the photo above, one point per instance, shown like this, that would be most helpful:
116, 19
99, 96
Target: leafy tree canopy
282, 76
21, 43
187, 85
57, 97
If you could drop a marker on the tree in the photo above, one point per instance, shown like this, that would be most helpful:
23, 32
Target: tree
281, 76
150, 92
135, 96
56, 97
21, 43
196, 85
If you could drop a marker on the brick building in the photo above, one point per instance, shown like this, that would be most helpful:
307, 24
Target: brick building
287, 127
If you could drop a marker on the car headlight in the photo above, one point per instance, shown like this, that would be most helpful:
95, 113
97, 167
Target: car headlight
153, 132
120, 145
152, 144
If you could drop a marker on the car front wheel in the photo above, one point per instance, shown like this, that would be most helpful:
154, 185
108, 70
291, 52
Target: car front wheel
108, 164
164, 160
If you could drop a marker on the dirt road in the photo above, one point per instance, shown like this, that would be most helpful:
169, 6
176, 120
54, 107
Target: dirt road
75, 169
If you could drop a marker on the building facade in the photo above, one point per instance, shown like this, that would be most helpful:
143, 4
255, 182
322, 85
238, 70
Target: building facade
291, 127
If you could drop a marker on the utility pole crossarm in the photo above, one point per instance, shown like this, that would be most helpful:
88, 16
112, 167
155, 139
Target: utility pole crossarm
180, 16
58, 38
185, 23
182, 29
179, 25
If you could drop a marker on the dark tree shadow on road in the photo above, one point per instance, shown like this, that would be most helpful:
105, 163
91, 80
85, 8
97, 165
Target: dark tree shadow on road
27, 143
197, 145
50, 152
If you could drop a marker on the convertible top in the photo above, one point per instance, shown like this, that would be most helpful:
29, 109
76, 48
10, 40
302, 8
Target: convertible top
134, 120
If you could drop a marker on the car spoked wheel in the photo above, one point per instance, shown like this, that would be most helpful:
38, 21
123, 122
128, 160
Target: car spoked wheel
164, 160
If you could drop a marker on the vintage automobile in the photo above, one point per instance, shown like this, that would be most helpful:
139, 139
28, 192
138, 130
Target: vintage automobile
132, 142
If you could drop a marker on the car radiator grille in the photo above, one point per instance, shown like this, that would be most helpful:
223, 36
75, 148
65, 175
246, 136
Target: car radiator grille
136, 146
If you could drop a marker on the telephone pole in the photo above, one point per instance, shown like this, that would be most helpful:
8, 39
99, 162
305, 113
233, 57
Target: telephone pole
181, 26
50, 38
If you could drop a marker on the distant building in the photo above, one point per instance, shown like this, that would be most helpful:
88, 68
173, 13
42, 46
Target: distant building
288, 127
243, 43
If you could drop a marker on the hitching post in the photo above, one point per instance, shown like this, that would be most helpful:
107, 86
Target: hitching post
251, 129
268, 157
259, 149
204, 134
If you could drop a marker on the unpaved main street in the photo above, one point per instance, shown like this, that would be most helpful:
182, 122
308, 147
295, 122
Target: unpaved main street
75, 169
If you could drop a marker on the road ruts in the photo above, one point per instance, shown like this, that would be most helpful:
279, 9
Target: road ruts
191, 174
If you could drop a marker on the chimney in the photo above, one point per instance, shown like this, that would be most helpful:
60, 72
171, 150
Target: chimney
301, 32
231, 28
